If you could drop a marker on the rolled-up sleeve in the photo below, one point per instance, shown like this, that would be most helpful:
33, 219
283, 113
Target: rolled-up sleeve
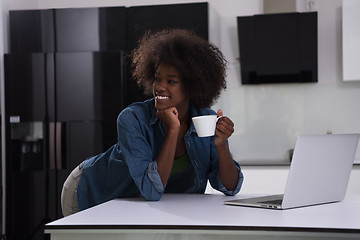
138, 154
154, 176
214, 174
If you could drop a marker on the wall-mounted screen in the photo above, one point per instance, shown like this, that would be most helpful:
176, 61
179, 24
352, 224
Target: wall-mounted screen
278, 48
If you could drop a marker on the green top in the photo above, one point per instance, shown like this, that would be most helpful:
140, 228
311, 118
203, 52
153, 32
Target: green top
180, 164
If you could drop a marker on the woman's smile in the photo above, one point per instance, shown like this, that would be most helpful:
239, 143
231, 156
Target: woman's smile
159, 97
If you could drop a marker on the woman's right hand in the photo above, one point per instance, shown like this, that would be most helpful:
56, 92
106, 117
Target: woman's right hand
170, 117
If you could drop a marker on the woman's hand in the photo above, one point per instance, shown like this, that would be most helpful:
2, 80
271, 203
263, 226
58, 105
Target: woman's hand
170, 117
224, 129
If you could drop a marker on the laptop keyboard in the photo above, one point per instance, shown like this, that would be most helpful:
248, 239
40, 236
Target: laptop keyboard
276, 202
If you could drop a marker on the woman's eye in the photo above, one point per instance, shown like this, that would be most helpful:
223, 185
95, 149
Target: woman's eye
171, 81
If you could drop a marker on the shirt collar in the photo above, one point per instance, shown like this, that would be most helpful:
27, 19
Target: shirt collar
154, 120
153, 117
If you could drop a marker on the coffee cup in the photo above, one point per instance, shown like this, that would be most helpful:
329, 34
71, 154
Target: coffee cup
205, 125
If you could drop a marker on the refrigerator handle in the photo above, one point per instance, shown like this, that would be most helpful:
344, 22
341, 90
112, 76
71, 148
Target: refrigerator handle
60, 145
52, 145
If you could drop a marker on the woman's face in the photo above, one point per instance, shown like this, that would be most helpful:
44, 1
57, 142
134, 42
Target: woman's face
168, 89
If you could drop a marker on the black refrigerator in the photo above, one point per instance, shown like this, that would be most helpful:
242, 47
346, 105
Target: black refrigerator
62, 109
66, 80
65, 84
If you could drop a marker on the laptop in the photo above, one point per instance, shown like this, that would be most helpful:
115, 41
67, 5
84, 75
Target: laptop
319, 173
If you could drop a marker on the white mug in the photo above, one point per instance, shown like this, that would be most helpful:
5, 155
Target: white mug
205, 125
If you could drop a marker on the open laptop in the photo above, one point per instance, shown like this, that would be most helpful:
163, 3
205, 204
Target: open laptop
319, 173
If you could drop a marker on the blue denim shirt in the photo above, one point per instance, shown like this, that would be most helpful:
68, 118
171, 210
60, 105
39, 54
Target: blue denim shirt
129, 167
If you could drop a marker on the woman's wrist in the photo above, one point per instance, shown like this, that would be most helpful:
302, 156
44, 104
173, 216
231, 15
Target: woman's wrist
220, 143
173, 130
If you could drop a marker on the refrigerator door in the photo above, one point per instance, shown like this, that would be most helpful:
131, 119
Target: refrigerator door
89, 86
27, 185
27, 207
25, 82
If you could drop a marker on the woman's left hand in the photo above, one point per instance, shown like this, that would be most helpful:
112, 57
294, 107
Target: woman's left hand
229, 173
224, 129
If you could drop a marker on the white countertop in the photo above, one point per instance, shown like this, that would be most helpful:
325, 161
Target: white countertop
205, 211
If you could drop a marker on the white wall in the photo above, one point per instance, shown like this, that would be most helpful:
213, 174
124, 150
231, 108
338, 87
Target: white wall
269, 117
272, 180
264, 179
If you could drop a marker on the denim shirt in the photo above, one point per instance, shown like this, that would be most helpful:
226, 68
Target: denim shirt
129, 167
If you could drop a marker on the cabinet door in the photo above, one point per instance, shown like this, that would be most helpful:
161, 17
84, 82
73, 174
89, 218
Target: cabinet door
31, 31
25, 78
90, 29
193, 16
89, 85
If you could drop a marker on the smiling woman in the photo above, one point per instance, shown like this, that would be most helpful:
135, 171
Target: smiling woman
158, 150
